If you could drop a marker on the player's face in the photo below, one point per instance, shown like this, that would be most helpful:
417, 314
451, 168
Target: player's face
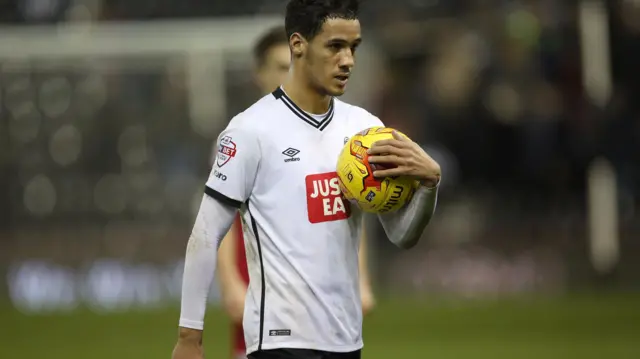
331, 55
274, 69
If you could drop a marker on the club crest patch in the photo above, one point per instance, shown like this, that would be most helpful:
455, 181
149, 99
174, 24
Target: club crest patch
226, 151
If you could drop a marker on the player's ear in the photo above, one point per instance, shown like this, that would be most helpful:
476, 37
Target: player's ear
297, 44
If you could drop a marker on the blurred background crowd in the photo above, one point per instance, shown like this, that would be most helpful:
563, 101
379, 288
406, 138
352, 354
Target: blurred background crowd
105, 145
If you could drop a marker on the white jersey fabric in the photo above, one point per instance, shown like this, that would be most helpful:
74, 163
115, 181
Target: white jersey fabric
277, 164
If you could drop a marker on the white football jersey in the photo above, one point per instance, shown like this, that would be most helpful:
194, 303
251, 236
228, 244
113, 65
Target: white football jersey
277, 164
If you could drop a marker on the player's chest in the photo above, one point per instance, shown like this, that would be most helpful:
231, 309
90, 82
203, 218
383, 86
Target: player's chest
300, 152
304, 166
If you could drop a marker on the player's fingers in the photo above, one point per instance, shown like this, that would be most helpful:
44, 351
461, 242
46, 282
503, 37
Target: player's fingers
380, 150
383, 159
400, 137
391, 172
384, 149
389, 142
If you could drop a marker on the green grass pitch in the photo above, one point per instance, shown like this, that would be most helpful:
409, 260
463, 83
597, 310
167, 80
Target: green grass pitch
576, 327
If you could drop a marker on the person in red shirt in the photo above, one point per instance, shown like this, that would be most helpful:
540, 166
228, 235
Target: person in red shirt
272, 57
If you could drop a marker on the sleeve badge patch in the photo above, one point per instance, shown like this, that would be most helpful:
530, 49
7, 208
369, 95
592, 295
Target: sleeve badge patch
226, 151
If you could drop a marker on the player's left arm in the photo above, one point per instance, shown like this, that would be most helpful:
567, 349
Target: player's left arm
402, 157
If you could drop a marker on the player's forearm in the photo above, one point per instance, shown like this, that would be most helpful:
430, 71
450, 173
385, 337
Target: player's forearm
232, 286
365, 283
227, 267
212, 222
405, 226
363, 263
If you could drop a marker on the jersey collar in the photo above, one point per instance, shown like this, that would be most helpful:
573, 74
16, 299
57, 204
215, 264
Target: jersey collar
319, 124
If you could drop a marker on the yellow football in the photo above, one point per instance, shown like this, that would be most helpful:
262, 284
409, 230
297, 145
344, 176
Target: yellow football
355, 173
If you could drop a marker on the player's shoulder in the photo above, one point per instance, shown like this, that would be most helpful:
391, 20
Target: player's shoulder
357, 114
252, 119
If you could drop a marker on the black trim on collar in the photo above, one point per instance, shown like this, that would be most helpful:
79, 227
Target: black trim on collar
320, 125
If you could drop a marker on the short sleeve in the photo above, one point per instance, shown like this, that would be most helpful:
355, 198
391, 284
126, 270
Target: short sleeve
235, 166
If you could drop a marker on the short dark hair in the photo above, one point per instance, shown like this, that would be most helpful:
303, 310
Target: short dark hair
306, 17
273, 37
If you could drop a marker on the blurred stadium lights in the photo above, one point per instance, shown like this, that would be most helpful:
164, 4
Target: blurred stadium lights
54, 95
604, 237
132, 146
54, 84
594, 40
602, 192
40, 196
65, 145
92, 89
25, 122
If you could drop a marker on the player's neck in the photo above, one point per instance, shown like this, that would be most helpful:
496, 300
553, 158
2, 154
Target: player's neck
307, 98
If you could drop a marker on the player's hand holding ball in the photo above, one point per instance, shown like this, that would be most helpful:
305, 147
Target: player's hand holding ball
380, 168
404, 157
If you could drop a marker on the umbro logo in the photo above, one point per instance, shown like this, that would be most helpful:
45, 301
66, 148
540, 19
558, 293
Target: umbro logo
291, 153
